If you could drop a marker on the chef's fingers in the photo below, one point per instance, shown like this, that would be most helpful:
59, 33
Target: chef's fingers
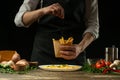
67, 48
67, 55
57, 10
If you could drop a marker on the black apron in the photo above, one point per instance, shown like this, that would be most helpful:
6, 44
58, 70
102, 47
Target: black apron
51, 27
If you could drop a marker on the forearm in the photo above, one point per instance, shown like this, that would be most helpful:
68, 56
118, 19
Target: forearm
32, 16
88, 38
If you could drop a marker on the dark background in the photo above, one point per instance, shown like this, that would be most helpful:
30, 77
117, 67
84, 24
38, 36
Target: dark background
21, 39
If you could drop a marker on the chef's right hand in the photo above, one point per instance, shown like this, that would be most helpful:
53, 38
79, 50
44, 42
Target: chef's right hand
54, 9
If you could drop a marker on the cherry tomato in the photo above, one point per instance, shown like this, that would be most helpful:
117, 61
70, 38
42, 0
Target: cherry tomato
107, 63
100, 63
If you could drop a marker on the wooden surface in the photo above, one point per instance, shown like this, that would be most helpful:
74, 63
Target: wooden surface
50, 75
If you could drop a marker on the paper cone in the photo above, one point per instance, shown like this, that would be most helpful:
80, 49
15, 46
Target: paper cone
59, 42
56, 48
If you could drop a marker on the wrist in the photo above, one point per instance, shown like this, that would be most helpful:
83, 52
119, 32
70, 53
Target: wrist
41, 13
81, 46
87, 39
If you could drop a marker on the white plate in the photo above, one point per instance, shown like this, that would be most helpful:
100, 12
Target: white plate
60, 67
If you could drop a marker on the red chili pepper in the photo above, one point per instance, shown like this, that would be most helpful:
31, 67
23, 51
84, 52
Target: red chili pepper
110, 69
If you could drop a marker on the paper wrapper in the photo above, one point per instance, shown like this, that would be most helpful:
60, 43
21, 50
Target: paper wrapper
57, 44
56, 48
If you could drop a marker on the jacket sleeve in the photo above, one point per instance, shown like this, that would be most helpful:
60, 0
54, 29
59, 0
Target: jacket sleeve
91, 18
27, 5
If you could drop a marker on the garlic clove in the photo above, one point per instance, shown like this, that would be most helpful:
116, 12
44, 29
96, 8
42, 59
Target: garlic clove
116, 62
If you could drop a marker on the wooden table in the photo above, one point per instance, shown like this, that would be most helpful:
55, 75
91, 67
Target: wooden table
50, 75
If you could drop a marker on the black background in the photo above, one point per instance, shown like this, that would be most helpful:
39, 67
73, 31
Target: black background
21, 39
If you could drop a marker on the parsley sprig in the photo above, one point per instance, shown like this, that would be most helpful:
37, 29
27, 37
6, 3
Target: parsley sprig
91, 69
8, 69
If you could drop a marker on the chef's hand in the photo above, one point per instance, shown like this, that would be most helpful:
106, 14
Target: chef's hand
70, 52
54, 9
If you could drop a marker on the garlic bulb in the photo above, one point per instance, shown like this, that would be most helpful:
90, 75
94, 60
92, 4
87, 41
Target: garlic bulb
115, 63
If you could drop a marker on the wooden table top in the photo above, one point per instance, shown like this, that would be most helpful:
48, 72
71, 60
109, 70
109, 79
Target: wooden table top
52, 75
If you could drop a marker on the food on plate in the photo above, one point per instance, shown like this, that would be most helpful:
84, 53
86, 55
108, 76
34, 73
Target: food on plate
60, 67
62, 41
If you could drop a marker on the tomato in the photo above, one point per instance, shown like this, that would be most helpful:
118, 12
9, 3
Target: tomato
100, 63
98, 66
107, 63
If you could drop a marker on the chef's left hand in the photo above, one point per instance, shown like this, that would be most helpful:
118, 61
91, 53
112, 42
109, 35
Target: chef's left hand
70, 52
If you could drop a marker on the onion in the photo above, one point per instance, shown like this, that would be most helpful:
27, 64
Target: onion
7, 63
21, 65
23, 62
3, 63
15, 57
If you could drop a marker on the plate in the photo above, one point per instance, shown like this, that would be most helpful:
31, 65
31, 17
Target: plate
60, 67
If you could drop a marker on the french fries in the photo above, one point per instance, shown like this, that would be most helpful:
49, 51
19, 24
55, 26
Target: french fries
69, 41
62, 41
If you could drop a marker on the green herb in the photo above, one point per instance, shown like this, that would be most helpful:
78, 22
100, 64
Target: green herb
8, 69
88, 68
